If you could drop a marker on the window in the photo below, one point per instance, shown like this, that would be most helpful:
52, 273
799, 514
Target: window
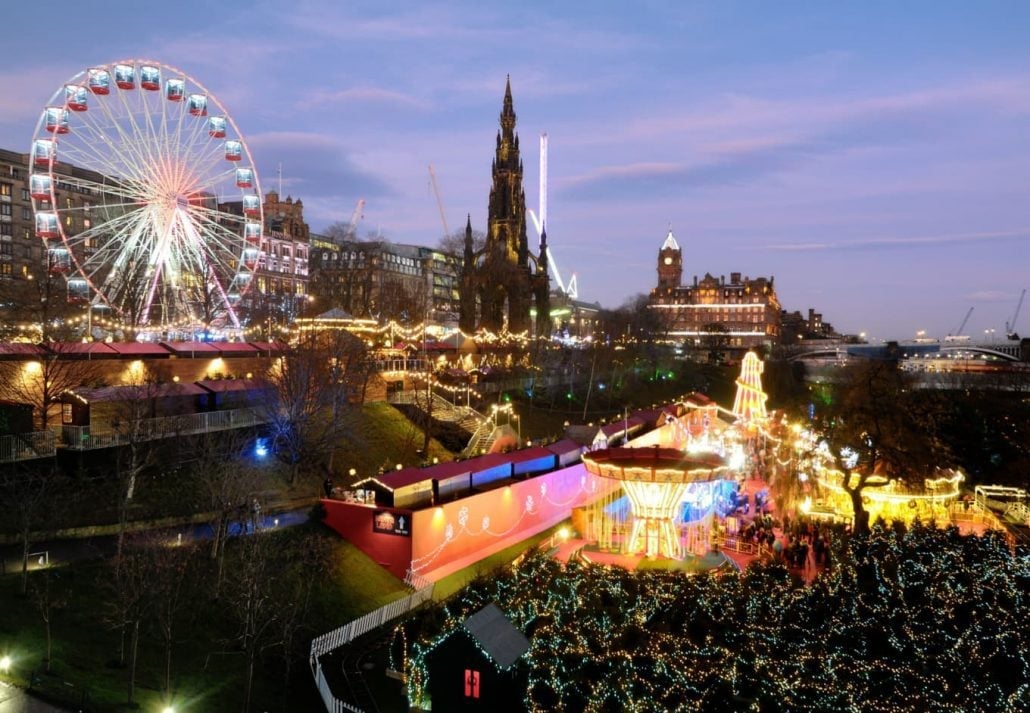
6, 249
24, 194
5, 269
5, 209
26, 213
6, 229
5, 190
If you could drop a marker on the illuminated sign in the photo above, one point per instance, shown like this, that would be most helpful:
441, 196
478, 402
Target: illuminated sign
390, 523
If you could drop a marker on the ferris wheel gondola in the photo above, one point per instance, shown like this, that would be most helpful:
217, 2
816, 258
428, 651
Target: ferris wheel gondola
146, 195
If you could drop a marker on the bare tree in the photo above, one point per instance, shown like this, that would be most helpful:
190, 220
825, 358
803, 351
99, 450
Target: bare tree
128, 584
311, 389
40, 300
268, 595
224, 482
405, 301
170, 594
454, 244
42, 381
48, 599
29, 495
353, 281
134, 427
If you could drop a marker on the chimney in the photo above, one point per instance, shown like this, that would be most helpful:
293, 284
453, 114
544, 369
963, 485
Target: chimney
735, 278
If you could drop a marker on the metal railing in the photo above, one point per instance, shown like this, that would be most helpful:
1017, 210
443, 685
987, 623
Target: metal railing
742, 546
105, 435
347, 633
26, 446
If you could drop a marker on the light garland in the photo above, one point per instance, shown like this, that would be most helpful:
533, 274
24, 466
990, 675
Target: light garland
905, 621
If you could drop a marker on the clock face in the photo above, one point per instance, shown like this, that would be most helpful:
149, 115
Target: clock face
668, 260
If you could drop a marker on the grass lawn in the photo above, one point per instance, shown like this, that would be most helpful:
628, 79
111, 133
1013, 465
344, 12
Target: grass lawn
208, 668
379, 436
690, 565
457, 581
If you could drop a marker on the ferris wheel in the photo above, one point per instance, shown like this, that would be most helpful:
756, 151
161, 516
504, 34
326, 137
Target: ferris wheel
146, 196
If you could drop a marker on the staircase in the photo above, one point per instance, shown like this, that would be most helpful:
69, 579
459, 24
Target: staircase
443, 410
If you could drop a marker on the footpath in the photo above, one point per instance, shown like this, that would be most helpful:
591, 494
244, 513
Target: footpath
61, 547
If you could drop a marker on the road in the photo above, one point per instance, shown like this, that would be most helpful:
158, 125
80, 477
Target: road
55, 553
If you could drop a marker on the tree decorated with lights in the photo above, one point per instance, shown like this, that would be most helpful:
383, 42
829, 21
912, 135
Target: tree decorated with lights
907, 620
749, 404
877, 427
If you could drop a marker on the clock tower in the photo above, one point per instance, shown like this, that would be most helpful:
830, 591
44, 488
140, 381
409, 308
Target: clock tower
670, 263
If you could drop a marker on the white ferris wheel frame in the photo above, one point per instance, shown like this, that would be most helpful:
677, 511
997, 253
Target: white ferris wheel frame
156, 240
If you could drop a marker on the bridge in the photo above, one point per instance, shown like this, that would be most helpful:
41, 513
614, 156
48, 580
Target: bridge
1007, 351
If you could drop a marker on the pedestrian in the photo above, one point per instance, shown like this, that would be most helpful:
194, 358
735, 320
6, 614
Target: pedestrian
255, 515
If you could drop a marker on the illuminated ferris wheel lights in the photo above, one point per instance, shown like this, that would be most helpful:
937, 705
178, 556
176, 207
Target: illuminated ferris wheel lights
149, 239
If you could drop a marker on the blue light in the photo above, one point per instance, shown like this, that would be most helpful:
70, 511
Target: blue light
261, 447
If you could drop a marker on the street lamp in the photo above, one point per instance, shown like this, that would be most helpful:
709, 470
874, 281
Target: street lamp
5, 664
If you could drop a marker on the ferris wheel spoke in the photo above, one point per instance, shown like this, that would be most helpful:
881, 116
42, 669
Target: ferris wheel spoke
221, 216
101, 190
206, 150
103, 230
214, 231
122, 137
221, 178
105, 263
89, 157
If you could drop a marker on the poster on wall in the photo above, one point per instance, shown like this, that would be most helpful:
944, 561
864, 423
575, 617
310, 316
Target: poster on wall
390, 523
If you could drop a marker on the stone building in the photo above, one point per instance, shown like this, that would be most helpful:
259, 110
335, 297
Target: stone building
501, 282
383, 280
713, 312
281, 278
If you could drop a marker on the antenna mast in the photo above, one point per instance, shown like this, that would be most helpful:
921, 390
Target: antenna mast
543, 182
540, 223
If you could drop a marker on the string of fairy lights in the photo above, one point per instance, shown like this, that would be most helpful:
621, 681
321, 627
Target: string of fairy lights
909, 619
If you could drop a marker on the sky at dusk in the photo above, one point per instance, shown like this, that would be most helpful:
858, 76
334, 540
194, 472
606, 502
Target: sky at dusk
874, 157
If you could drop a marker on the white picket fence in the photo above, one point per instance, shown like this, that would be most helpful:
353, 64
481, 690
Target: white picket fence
332, 703
349, 632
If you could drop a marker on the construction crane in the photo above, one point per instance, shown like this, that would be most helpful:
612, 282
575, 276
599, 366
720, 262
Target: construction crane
358, 214
1010, 326
540, 223
962, 326
439, 201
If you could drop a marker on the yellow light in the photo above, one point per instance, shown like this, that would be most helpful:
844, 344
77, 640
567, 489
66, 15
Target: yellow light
5, 664
33, 367
806, 506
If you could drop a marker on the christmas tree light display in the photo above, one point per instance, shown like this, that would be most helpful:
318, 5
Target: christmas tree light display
749, 404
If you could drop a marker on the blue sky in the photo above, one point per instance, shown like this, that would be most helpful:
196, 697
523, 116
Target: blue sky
874, 157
